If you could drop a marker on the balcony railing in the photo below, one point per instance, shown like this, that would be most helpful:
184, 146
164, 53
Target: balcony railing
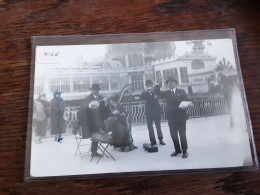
201, 108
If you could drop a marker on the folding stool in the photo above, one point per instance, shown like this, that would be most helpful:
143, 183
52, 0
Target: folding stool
103, 146
81, 142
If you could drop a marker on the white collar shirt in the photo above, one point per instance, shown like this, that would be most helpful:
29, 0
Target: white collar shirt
173, 90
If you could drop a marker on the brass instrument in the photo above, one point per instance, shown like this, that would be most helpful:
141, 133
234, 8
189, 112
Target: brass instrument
150, 89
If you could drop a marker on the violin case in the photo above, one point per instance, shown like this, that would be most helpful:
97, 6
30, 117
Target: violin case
149, 148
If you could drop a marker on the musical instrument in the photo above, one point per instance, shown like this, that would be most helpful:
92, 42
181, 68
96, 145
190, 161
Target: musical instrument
116, 103
150, 89
127, 88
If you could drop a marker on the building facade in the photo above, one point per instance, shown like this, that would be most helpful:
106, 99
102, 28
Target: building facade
192, 70
131, 63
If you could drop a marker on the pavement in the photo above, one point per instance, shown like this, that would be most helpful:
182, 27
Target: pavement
212, 143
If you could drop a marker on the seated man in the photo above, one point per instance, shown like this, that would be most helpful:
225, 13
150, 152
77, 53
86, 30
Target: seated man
118, 126
91, 115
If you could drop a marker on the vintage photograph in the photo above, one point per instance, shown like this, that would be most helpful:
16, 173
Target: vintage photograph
138, 107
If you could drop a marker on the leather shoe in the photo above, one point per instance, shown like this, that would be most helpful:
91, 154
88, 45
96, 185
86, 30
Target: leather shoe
161, 142
96, 155
176, 153
185, 155
153, 143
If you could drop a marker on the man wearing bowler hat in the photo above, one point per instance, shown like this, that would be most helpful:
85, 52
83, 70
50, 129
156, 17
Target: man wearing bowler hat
92, 114
176, 116
152, 112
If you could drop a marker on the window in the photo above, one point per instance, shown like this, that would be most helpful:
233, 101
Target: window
60, 84
121, 58
39, 86
184, 75
198, 80
114, 83
135, 60
137, 82
171, 73
103, 82
158, 76
197, 64
81, 84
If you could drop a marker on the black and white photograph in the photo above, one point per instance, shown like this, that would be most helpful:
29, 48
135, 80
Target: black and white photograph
138, 107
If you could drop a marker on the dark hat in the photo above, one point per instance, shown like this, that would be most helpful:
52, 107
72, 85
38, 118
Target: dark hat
56, 92
95, 86
171, 79
148, 82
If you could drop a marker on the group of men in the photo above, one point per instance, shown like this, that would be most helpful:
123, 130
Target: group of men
96, 119
95, 116
176, 115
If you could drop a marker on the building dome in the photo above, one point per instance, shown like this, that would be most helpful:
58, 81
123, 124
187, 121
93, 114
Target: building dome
113, 49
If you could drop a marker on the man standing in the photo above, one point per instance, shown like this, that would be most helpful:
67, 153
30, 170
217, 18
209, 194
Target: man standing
176, 116
92, 114
227, 83
152, 112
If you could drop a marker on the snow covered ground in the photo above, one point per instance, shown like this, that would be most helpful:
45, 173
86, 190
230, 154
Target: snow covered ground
212, 144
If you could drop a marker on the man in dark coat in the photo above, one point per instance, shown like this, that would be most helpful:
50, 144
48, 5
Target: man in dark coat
119, 127
152, 112
176, 116
56, 115
92, 114
227, 83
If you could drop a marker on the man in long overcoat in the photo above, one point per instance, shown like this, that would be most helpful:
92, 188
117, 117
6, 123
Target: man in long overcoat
227, 83
91, 116
176, 116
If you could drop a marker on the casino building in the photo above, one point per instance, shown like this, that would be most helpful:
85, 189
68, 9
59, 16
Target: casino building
130, 63
192, 70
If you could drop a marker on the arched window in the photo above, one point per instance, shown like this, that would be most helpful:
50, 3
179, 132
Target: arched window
197, 64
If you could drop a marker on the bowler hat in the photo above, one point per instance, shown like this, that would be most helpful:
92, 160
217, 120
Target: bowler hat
171, 79
95, 86
148, 82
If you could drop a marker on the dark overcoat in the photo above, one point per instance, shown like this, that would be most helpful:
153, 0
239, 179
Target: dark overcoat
56, 115
92, 120
173, 100
152, 106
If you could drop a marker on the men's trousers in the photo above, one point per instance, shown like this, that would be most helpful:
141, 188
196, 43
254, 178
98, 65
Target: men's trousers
157, 120
175, 128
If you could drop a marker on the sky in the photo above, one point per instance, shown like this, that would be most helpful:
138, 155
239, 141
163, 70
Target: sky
69, 55
220, 48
